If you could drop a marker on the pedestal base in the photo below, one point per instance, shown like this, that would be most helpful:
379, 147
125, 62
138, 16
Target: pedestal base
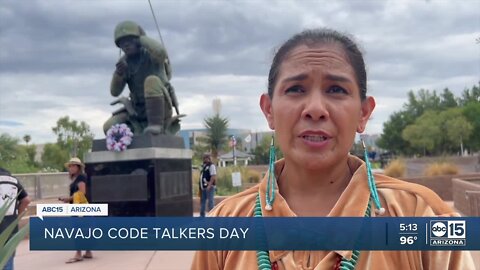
146, 181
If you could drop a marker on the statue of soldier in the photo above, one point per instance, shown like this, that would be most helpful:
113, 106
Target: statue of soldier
146, 69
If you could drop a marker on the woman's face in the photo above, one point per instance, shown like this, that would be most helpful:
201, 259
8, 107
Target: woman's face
73, 169
316, 106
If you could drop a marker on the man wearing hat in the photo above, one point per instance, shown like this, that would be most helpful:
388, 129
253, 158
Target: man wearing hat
208, 178
78, 186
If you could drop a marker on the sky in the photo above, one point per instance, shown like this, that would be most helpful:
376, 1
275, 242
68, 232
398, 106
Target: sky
57, 57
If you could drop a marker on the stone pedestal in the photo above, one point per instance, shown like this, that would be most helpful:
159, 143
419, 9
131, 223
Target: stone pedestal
153, 177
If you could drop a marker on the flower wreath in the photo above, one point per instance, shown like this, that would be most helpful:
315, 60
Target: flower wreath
119, 136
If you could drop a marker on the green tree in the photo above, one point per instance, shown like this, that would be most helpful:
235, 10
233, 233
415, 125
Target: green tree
416, 105
446, 144
391, 138
447, 99
31, 152
27, 138
471, 111
54, 156
73, 136
425, 133
458, 130
262, 151
470, 95
216, 133
438, 132
422, 101
16, 158
8, 149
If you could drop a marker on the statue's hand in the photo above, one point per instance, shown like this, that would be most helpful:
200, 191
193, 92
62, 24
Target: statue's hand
121, 67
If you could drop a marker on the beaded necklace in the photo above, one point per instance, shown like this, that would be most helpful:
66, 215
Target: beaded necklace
263, 258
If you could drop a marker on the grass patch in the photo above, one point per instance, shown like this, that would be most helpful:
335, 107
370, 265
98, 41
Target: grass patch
224, 180
396, 168
441, 168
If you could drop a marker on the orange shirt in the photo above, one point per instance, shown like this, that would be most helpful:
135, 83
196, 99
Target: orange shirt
399, 199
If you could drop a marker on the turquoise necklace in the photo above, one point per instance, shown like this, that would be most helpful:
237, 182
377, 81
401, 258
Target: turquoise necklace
263, 258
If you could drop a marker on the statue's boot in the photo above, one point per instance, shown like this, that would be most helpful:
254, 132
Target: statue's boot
155, 109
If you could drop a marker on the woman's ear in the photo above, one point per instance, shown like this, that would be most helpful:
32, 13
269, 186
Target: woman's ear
266, 106
366, 111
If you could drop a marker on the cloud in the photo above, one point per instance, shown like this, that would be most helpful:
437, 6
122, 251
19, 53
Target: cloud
57, 57
7, 123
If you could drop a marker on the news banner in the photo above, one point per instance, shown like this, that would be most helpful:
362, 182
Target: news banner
74, 227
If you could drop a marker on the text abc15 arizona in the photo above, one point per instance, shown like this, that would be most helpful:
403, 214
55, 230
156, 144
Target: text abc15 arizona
448, 232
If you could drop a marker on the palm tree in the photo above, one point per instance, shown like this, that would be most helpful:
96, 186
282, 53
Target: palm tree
216, 133
27, 138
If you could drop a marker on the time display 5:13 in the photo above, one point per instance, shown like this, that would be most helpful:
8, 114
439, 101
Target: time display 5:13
408, 227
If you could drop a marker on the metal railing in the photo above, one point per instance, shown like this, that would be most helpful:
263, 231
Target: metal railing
44, 185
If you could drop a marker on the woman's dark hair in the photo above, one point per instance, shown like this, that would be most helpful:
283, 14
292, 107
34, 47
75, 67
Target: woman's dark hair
315, 37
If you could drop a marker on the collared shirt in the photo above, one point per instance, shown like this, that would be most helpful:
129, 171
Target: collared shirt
10, 189
399, 199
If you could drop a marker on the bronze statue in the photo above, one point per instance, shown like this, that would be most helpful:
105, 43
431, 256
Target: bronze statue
146, 69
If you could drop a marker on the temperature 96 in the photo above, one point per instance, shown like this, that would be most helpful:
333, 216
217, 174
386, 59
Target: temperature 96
407, 240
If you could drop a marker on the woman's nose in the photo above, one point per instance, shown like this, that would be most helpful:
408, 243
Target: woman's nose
315, 107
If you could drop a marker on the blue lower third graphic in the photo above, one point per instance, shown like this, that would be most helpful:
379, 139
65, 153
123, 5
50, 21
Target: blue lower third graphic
182, 233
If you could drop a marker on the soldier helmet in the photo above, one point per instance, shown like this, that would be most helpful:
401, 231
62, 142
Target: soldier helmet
127, 28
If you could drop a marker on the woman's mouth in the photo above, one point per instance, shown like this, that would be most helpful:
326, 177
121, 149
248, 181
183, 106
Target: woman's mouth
314, 138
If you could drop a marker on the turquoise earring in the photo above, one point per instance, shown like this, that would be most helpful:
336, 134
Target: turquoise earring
371, 184
270, 192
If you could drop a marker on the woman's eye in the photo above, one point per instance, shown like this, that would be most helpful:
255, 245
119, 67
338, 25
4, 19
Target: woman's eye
337, 90
295, 89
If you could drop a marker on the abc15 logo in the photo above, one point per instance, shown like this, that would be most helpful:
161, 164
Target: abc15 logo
452, 229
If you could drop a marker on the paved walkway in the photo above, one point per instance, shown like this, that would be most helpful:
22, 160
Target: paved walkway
103, 260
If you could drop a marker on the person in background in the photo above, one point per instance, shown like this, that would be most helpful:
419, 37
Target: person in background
11, 189
208, 178
78, 189
316, 103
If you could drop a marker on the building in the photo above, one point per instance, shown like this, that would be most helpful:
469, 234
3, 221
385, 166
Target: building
234, 158
246, 141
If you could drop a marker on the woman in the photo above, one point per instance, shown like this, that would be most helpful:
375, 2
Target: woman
78, 191
316, 103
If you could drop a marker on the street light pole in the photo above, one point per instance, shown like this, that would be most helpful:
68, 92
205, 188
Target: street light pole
234, 143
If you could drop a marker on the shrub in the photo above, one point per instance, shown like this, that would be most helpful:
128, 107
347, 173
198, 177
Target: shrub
9, 240
253, 176
441, 168
396, 168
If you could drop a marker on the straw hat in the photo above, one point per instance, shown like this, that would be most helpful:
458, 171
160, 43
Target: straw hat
75, 161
